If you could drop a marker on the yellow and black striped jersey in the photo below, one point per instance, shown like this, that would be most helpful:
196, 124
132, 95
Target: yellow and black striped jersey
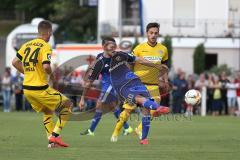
33, 55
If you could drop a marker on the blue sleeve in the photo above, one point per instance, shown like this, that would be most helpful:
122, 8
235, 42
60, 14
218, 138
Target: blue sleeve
131, 57
96, 70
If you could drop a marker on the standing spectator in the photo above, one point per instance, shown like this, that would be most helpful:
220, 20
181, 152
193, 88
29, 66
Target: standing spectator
6, 90
216, 103
210, 91
237, 81
231, 95
201, 82
18, 91
179, 89
224, 80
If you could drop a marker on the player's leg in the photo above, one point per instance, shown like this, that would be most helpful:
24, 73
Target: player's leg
134, 92
55, 101
124, 115
48, 121
127, 129
38, 107
96, 119
47, 101
49, 125
63, 113
106, 100
146, 119
155, 94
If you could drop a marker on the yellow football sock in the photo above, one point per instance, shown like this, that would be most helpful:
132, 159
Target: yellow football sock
139, 128
122, 118
62, 120
152, 111
48, 123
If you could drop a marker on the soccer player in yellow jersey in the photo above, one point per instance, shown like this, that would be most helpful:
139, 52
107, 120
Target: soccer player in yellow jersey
157, 53
33, 60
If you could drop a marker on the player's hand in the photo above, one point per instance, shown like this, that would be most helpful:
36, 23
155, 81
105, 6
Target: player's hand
81, 104
163, 69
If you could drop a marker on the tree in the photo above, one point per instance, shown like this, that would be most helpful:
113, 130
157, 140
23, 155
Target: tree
75, 23
167, 42
221, 68
7, 5
199, 59
35, 8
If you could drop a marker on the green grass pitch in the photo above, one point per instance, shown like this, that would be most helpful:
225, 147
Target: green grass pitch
22, 137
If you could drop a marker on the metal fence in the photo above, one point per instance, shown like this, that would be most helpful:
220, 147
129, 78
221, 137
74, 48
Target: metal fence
175, 27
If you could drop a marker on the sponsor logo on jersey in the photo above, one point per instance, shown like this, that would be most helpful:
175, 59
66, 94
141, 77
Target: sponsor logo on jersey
153, 58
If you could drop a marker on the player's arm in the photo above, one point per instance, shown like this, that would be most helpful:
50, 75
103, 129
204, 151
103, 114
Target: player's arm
47, 68
46, 60
86, 87
17, 61
163, 68
165, 64
91, 74
164, 77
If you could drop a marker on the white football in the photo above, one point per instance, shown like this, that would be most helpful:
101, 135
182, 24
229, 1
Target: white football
193, 97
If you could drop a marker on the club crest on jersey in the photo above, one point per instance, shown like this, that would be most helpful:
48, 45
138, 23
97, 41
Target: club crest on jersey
118, 58
160, 52
49, 56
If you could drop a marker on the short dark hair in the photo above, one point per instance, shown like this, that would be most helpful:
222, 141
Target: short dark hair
105, 39
44, 26
152, 25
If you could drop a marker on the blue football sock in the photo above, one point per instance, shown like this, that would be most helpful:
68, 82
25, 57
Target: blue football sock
149, 104
96, 119
117, 112
145, 125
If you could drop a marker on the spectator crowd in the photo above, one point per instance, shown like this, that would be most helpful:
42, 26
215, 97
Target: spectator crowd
223, 92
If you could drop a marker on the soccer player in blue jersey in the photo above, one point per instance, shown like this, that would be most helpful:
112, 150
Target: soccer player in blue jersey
108, 97
129, 87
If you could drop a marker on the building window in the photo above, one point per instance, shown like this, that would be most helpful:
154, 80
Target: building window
184, 13
130, 12
234, 13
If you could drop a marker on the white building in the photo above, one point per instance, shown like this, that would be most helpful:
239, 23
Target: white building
216, 23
